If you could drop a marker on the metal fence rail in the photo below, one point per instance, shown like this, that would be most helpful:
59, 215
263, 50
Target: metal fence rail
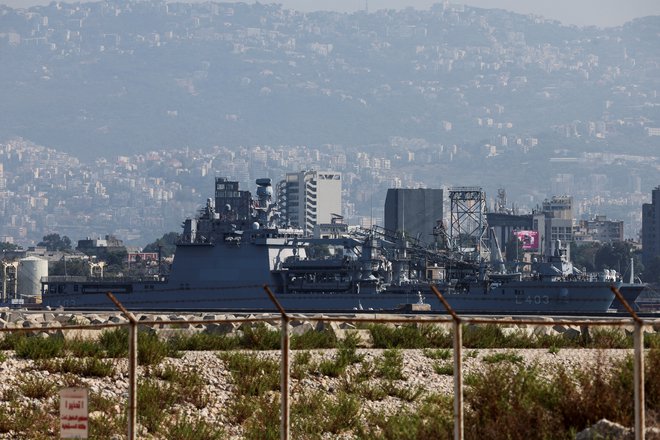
450, 318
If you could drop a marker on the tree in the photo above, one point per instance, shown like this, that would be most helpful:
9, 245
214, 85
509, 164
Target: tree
4, 246
596, 256
75, 267
615, 255
584, 255
53, 242
167, 243
116, 258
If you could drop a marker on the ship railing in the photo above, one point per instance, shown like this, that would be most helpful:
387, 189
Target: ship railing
64, 279
86, 279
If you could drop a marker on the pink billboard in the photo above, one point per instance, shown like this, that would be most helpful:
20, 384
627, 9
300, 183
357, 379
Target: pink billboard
529, 240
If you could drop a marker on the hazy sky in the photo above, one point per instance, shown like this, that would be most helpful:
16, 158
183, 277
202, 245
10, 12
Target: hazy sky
579, 12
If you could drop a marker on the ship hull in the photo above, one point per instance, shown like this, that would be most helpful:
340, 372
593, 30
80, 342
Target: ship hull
518, 297
630, 293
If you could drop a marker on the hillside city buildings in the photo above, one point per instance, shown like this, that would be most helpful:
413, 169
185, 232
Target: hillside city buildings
46, 191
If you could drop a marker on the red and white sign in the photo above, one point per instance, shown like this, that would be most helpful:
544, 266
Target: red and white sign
74, 412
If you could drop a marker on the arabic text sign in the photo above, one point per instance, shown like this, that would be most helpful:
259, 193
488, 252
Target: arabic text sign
74, 411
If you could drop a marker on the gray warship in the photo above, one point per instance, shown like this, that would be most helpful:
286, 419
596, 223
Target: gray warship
237, 244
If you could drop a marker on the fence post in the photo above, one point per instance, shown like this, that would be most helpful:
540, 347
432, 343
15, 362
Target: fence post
284, 428
132, 366
458, 366
640, 423
458, 380
285, 373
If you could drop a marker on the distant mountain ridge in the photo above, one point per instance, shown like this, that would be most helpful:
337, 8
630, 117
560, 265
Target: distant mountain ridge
126, 76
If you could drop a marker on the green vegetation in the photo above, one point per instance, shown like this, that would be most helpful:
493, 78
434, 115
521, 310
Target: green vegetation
504, 399
4, 246
315, 413
301, 364
442, 354
252, 375
35, 387
502, 357
25, 419
443, 369
390, 365
596, 256
86, 367
39, 348
81, 348
403, 392
151, 350
69, 265
167, 244
189, 383
165, 387
508, 400
204, 341
260, 337
106, 427
346, 355
432, 419
195, 429
53, 242
154, 401
115, 342
492, 336
435, 342
409, 336
110, 423
314, 339
364, 388
264, 422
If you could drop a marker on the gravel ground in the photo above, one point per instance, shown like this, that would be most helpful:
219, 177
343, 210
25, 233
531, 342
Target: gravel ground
418, 371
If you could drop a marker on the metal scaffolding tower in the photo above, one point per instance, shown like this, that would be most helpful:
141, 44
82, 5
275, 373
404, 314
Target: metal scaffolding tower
468, 228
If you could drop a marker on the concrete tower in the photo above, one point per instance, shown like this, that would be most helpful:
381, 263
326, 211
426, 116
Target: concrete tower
413, 211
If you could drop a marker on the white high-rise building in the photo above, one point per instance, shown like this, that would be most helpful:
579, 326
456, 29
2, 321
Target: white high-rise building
310, 198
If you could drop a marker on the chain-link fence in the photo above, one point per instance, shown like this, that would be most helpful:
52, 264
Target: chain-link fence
450, 319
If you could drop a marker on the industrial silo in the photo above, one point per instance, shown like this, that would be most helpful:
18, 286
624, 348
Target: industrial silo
30, 271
